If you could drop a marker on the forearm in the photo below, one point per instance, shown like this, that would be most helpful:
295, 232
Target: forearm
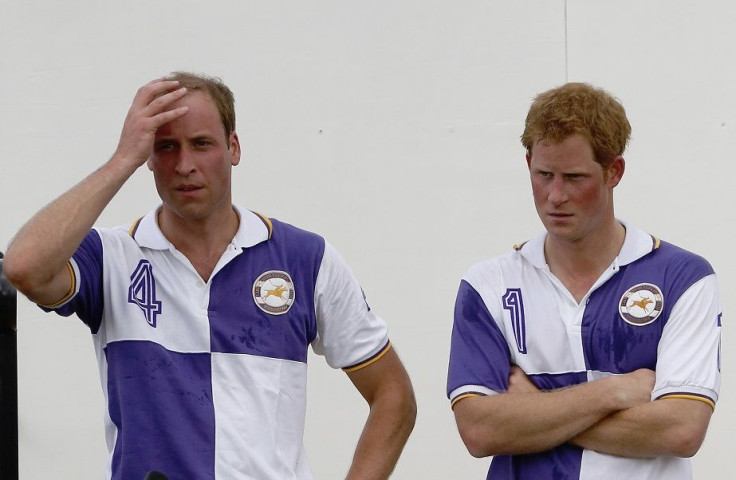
386, 387
521, 423
390, 421
39, 252
527, 420
664, 427
36, 258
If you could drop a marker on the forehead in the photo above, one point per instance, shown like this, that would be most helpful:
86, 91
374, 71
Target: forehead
573, 151
201, 118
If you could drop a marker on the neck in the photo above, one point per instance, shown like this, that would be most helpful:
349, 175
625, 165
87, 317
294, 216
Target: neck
202, 241
579, 263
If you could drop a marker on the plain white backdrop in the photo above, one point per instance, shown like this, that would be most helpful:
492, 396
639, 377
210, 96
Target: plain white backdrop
389, 127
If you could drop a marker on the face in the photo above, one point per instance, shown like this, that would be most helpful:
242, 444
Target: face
192, 161
573, 194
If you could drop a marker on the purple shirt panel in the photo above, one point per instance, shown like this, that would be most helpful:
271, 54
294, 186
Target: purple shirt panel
170, 394
237, 325
89, 303
561, 463
479, 354
613, 345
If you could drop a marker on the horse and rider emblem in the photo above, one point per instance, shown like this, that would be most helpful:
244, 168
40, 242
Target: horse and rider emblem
641, 304
273, 292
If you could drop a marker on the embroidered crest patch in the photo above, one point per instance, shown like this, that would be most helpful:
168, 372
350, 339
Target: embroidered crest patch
273, 292
641, 304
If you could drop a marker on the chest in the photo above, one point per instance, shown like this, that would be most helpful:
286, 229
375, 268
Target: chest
258, 303
616, 327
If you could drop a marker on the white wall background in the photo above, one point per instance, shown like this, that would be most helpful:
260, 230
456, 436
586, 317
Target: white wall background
390, 127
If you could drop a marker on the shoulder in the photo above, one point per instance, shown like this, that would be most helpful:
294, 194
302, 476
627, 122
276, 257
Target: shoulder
493, 271
681, 263
678, 255
119, 235
672, 269
290, 236
281, 228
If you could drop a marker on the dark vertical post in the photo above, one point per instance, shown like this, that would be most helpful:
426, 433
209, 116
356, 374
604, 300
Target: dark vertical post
8, 379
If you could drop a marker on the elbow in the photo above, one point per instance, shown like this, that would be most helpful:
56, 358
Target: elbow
477, 441
687, 443
409, 411
22, 274
18, 276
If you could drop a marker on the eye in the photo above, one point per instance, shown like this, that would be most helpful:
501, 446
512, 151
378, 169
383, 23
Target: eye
202, 143
164, 147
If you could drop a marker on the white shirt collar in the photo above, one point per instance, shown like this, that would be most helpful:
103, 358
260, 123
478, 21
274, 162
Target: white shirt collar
637, 243
253, 229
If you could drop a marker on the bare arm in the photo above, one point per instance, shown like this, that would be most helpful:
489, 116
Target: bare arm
386, 387
670, 426
36, 258
526, 420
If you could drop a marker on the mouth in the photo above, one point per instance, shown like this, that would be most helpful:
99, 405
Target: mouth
187, 190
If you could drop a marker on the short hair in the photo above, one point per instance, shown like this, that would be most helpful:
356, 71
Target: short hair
220, 94
579, 108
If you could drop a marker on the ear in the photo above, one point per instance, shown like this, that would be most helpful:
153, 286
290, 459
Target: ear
234, 149
615, 171
149, 162
528, 160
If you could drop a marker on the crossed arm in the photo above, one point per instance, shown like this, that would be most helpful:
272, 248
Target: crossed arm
613, 415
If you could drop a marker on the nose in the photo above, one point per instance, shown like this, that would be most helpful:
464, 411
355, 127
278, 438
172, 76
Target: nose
184, 162
557, 192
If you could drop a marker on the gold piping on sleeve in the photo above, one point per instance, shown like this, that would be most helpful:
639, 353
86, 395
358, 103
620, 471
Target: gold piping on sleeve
73, 287
462, 397
371, 360
685, 396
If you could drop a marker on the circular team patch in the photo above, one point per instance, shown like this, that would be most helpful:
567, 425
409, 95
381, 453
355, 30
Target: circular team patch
641, 304
273, 292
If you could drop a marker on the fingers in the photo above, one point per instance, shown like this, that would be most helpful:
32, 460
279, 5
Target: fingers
152, 90
635, 387
169, 115
158, 109
156, 97
152, 107
519, 382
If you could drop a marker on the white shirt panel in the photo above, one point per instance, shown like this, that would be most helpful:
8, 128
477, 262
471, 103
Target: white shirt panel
692, 327
260, 406
600, 466
343, 319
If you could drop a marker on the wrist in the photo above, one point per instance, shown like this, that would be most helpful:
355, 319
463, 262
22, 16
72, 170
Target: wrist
121, 164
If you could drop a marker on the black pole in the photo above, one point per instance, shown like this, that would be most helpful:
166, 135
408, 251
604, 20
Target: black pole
8, 379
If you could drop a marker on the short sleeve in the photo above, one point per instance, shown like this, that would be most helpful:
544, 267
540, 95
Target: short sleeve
479, 354
86, 297
688, 356
349, 334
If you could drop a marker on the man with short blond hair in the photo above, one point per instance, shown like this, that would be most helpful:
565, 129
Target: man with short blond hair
202, 312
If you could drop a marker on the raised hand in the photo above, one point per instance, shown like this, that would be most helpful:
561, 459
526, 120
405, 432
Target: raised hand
152, 107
